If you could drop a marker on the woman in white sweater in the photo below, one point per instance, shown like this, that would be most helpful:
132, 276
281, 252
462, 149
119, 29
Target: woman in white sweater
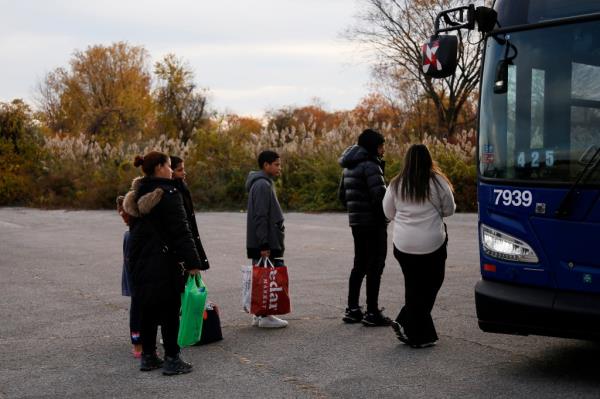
417, 200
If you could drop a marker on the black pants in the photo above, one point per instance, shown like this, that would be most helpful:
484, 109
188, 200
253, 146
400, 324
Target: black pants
370, 250
166, 314
423, 278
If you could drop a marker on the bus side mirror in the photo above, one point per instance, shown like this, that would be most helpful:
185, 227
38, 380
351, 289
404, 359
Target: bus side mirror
501, 80
439, 56
486, 18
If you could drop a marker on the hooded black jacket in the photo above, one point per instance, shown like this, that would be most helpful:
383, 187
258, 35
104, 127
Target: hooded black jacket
189, 210
362, 187
161, 242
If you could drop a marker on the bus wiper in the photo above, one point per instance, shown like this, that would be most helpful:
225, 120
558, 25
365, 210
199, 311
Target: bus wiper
564, 209
501, 80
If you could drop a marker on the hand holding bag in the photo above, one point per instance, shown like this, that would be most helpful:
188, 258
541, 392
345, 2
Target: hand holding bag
193, 301
270, 289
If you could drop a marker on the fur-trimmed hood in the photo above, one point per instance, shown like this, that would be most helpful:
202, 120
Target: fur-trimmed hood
144, 195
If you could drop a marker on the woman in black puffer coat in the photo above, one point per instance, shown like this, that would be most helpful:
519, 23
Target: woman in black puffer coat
179, 174
162, 250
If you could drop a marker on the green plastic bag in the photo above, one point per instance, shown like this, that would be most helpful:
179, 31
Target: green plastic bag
193, 301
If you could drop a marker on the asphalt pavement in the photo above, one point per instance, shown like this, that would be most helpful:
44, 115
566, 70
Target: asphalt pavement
64, 324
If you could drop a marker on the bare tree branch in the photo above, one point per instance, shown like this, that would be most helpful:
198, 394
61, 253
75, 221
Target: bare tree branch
395, 30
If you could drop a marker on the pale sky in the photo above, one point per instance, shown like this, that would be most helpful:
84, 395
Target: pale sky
252, 55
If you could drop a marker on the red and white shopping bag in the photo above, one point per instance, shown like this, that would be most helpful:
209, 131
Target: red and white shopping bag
270, 289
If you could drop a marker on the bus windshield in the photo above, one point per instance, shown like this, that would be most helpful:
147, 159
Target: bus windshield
545, 127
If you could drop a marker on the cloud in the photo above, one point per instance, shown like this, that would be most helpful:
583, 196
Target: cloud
257, 100
251, 55
236, 94
26, 57
274, 49
30, 44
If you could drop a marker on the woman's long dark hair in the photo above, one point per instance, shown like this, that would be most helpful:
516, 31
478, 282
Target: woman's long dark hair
413, 182
175, 161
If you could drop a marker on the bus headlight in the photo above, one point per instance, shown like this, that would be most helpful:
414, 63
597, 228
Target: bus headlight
503, 246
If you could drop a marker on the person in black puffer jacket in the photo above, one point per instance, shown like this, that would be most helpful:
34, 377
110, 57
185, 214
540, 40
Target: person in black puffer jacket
162, 250
361, 190
179, 174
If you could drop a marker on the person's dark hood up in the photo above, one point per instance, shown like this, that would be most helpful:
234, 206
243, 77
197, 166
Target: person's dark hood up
352, 156
368, 144
253, 176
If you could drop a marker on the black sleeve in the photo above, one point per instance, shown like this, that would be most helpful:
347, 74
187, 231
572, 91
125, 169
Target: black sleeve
177, 230
342, 191
376, 187
203, 258
188, 205
261, 197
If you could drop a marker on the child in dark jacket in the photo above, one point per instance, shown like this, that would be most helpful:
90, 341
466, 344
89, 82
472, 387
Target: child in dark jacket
134, 313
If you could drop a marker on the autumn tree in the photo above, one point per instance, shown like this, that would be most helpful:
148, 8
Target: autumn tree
375, 110
310, 118
395, 30
16, 123
241, 128
20, 154
181, 105
106, 92
50, 104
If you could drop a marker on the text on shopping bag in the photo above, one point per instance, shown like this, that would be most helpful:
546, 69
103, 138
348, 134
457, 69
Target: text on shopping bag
270, 291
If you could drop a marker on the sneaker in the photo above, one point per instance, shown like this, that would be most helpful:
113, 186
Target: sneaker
353, 315
255, 320
376, 319
423, 345
175, 365
271, 322
400, 332
150, 362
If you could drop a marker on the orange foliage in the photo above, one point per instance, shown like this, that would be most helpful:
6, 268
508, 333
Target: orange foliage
376, 110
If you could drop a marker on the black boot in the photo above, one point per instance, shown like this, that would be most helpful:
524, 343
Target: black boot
150, 362
175, 365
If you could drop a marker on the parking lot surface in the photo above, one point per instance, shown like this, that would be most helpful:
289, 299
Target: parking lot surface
64, 324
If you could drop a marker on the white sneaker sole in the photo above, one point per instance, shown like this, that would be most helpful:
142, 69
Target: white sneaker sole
267, 322
272, 326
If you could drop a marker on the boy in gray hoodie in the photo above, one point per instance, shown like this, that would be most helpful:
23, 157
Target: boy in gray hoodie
264, 228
